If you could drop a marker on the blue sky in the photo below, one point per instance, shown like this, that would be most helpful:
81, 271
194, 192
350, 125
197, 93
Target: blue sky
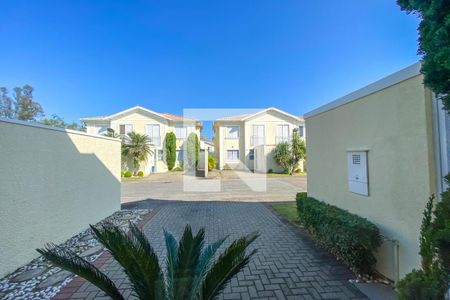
88, 58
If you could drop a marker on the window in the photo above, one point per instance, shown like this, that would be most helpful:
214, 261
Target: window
251, 154
282, 134
301, 131
232, 132
358, 182
257, 137
180, 132
160, 155
153, 133
125, 128
232, 155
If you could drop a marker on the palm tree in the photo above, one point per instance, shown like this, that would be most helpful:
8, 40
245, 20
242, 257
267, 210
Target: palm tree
192, 271
136, 147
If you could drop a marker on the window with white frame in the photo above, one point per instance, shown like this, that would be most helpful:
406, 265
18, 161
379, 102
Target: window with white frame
180, 132
233, 155
160, 155
258, 135
232, 132
125, 128
282, 134
301, 131
153, 133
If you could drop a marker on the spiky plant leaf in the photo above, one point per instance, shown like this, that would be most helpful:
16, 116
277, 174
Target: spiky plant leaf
136, 256
70, 261
229, 263
204, 263
172, 250
189, 250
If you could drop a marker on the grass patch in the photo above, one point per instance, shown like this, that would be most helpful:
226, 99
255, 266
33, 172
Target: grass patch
287, 210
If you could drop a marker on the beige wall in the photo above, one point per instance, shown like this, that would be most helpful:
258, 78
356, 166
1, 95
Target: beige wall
54, 183
394, 126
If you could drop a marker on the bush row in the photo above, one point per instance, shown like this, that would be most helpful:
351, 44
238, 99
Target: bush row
351, 238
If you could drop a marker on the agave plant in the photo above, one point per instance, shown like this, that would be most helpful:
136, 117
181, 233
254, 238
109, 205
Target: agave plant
194, 271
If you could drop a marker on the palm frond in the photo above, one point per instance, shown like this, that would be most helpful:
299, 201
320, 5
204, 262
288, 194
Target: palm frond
136, 256
172, 250
204, 263
70, 261
233, 260
189, 250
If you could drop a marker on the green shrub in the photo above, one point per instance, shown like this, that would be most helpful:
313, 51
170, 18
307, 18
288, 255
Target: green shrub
178, 168
140, 174
171, 141
419, 285
122, 174
211, 162
127, 174
270, 171
351, 238
192, 150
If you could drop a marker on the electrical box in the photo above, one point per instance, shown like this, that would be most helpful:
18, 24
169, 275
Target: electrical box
358, 181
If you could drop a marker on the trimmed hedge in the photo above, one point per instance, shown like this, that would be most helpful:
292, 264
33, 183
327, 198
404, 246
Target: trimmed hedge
127, 174
351, 238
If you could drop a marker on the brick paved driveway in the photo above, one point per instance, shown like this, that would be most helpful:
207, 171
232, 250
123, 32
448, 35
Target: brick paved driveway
287, 264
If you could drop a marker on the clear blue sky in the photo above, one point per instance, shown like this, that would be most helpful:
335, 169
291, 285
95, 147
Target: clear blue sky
88, 58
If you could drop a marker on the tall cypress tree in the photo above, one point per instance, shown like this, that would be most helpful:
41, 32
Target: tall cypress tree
171, 140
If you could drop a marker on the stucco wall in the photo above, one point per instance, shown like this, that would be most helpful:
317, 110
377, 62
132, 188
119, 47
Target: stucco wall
54, 183
394, 126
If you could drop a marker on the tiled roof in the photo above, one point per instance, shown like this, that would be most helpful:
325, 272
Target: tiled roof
234, 118
177, 118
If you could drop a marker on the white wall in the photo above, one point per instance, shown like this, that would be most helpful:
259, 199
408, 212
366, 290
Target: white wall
53, 184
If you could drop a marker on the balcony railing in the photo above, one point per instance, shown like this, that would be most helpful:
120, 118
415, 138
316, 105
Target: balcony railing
281, 139
256, 140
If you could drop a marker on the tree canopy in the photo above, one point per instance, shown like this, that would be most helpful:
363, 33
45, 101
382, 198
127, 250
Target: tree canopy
170, 150
434, 43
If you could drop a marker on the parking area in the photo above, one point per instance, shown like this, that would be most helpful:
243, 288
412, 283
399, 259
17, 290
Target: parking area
219, 186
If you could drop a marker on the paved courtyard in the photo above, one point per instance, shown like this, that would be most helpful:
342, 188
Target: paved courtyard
228, 184
287, 265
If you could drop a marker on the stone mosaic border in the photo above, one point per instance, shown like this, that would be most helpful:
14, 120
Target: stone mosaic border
39, 280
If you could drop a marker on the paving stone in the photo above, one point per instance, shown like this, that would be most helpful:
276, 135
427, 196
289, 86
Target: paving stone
91, 251
30, 274
287, 265
54, 279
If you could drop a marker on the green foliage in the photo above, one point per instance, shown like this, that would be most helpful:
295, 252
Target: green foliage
283, 156
427, 250
211, 162
140, 174
192, 150
441, 228
298, 149
25, 107
6, 104
419, 285
136, 147
57, 121
351, 238
178, 168
434, 43
171, 154
127, 174
194, 271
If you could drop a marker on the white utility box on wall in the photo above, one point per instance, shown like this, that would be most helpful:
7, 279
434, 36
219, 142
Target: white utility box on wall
358, 181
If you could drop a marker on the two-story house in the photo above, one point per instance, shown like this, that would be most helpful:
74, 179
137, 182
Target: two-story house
154, 125
238, 138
